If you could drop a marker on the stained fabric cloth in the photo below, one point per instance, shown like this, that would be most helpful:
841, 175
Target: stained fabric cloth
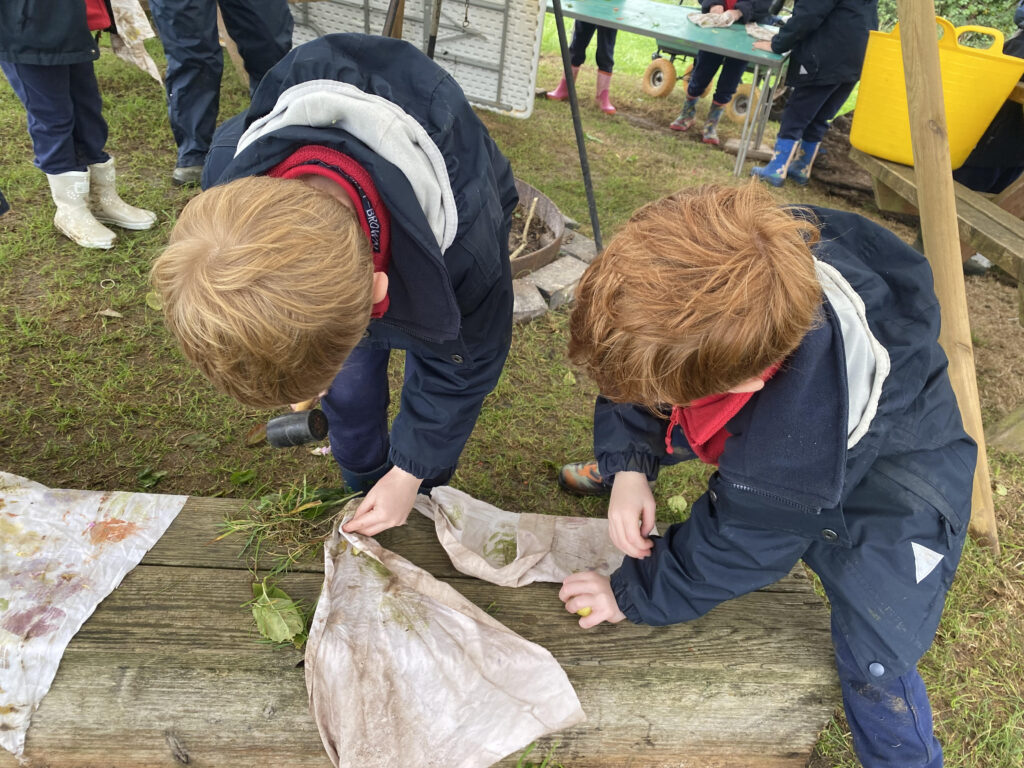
61, 553
451, 309
443, 684
513, 549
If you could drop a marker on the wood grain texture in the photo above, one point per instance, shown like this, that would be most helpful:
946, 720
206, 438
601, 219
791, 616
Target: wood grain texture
169, 671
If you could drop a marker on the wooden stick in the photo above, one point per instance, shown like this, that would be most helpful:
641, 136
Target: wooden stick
529, 218
937, 204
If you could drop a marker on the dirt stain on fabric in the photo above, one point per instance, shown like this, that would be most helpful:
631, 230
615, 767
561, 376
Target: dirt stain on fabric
112, 529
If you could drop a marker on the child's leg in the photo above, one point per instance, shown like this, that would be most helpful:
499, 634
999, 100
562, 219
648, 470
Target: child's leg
356, 406
829, 102
90, 130
46, 94
891, 721
582, 34
729, 78
188, 31
705, 65
262, 29
604, 54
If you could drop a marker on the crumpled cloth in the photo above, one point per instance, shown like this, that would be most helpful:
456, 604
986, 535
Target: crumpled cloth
759, 32
711, 19
61, 553
512, 549
403, 671
133, 28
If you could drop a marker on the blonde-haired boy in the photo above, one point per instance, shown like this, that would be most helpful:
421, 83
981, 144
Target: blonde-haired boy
358, 206
796, 350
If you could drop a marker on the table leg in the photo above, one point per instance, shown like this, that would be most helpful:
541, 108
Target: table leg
748, 125
574, 106
774, 78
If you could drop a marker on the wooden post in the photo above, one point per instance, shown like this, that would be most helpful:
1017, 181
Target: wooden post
937, 204
232, 50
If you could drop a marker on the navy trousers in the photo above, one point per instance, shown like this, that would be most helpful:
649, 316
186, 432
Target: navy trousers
356, 406
704, 68
810, 109
582, 34
65, 114
891, 721
262, 29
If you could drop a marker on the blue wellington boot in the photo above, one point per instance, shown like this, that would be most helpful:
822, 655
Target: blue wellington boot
800, 169
775, 172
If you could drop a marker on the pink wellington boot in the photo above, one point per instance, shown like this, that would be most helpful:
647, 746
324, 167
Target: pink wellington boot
561, 93
604, 79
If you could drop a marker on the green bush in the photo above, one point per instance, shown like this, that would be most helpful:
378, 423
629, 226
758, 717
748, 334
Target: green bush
984, 13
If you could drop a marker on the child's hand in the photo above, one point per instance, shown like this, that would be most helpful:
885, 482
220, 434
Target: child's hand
763, 45
588, 589
716, 9
387, 504
631, 514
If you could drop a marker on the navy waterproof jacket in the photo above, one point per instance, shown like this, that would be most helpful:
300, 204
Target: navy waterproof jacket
827, 40
452, 311
879, 513
45, 32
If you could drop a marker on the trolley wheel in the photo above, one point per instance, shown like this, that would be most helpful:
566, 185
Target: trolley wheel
745, 99
686, 81
659, 79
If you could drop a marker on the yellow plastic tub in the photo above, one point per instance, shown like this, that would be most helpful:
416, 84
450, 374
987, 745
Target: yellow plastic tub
975, 83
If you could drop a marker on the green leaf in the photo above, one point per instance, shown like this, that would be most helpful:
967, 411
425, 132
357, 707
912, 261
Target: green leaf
678, 505
277, 616
153, 301
1001, 489
569, 378
243, 476
150, 477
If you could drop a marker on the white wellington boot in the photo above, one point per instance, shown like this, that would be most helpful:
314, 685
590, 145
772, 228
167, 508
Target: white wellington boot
108, 207
70, 191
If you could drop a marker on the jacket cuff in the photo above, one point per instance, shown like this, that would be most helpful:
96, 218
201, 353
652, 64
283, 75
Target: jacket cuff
610, 463
620, 589
418, 469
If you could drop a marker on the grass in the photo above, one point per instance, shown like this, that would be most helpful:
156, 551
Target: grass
108, 403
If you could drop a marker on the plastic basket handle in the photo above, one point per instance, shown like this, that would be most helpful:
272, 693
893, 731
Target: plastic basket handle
949, 35
995, 34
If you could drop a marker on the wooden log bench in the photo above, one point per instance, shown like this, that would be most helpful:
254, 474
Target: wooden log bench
989, 226
169, 670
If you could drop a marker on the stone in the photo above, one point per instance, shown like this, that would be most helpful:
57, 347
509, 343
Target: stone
529, 303
557, 281
579, 246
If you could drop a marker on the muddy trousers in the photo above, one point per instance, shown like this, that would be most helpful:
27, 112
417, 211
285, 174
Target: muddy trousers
891, 720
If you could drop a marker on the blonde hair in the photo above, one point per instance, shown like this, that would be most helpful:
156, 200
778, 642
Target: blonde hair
699, 292
267, 286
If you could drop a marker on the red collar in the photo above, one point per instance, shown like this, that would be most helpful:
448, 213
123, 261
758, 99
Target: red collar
370, 209
703, 421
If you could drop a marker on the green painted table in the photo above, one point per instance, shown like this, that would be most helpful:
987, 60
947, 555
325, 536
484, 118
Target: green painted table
669, 25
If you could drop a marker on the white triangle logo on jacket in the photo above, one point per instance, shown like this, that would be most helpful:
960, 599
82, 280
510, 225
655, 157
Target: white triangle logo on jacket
925, 560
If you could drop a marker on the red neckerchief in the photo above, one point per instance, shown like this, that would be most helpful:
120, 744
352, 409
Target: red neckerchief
703, 421
370, 210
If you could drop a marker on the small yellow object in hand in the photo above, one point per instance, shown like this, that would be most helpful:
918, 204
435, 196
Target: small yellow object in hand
584, 611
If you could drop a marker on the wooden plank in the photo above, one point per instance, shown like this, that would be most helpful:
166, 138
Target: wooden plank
169, 670
191, 541
1017, 94
995, 233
